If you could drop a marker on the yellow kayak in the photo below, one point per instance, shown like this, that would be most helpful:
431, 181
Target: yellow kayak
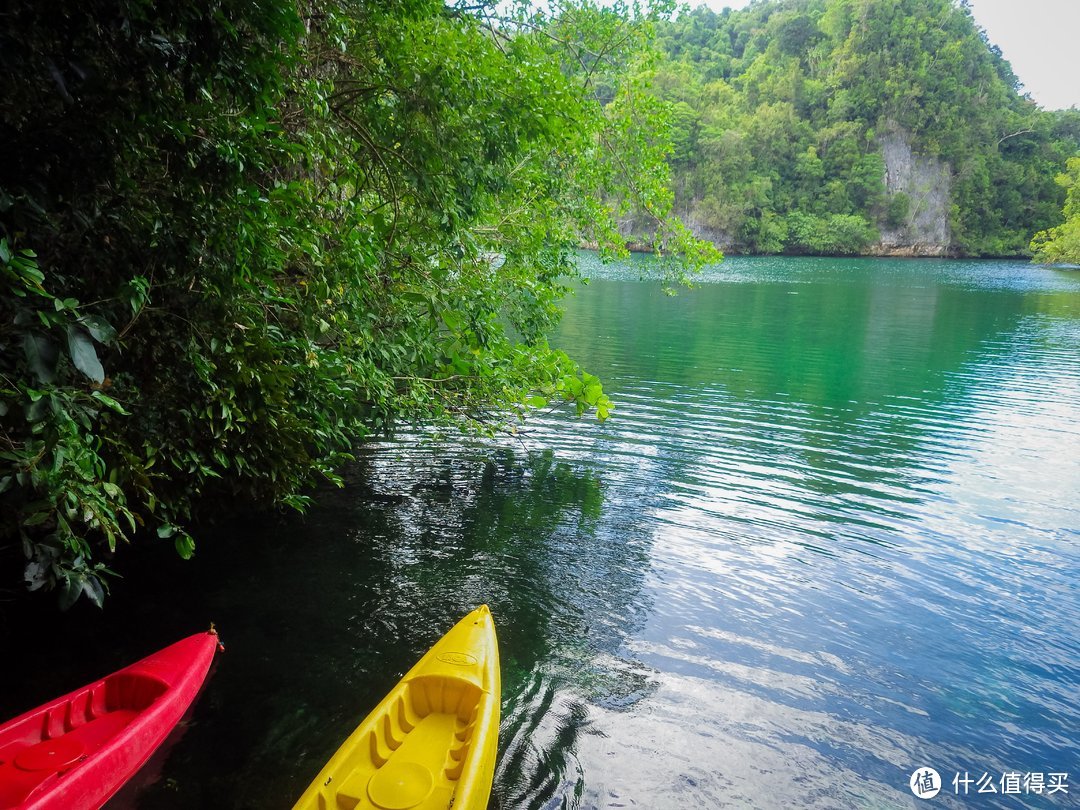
431, 743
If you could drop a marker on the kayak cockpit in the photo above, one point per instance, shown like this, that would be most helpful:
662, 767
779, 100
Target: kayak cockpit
48, 743
431, 742
416, 747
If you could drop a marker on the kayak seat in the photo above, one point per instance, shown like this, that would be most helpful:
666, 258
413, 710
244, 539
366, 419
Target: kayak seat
444, 695
23, 770
97, 732
416, 747
407, 768
76, 750
133, 690
83, 707
430, 744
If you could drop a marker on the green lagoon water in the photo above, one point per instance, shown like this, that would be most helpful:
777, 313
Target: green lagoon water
832, 534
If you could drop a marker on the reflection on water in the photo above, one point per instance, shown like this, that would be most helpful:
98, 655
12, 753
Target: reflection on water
865, 551
830, 535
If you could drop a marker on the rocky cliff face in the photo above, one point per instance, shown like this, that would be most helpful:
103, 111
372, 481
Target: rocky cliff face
923, 229
917, 192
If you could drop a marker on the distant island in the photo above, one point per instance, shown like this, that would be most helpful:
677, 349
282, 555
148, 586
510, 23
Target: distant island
855, 127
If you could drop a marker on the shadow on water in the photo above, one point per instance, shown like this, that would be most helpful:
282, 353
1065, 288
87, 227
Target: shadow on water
321, 615
565, 567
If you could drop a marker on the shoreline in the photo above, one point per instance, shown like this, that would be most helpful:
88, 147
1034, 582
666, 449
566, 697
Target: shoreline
904, 252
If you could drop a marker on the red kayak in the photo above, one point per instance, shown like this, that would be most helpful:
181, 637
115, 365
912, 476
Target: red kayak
76, 751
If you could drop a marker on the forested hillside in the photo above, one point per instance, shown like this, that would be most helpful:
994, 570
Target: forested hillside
1061, 244
848, 126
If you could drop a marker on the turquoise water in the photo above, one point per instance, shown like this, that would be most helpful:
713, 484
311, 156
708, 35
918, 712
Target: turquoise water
831, 535
857, 487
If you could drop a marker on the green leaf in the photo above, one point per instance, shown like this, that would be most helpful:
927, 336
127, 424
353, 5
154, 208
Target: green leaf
37, 409
185, 545
37, 518
166, 530
94, 590
453, 320
83, 354
71, 591
136, 292
41, 356
109, 402
536, 402
99, 328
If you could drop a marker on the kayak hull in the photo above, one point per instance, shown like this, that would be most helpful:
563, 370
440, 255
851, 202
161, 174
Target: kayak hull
76, 751
432, 741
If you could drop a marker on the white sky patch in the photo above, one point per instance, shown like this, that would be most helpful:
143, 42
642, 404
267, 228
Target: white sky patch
1038, 37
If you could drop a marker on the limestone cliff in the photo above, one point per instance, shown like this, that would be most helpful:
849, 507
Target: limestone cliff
922, 227
915, 220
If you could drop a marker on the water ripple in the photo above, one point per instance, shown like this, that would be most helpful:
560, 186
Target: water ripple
856, 567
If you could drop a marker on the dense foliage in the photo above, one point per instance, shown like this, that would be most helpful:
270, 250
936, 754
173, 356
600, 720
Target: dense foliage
781, 109
1061, 245
237, 236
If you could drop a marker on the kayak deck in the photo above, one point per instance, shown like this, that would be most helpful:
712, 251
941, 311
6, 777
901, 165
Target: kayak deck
77, 750
416, 749
41, 747
432, 741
